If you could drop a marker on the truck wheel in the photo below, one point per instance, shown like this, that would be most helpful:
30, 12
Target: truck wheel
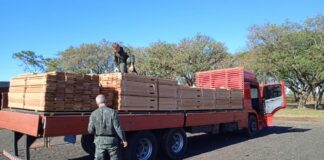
174, 143
87, 144
141, 146
252, 126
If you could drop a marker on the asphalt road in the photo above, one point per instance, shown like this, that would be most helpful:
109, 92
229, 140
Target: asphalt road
286, 140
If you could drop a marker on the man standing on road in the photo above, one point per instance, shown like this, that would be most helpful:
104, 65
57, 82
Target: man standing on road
104, 124
120, 58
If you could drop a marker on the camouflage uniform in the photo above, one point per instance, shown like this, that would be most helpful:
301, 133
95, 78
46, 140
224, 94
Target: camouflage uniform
121, 60
104, 124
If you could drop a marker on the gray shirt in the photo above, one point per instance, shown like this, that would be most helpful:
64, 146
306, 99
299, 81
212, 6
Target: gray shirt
105, 125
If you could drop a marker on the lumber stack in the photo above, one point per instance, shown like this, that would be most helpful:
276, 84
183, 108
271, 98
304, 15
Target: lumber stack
129, 92
209, 99
59, 91
54, 91
189, 98
168, 94
196, 99
223, 99
236, 99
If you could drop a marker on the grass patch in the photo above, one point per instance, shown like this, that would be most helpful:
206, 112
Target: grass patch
307, 113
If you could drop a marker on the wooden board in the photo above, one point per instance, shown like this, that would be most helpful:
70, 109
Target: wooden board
207, 104
126, 76
168, 91
168, 104
189, 104
208, 93
223, 94
16, 100
54, 91
188, 93
128, 103
162, 81
130, 92
58, 91
222, 104
236, 99
236, 104
236, 94
133, 88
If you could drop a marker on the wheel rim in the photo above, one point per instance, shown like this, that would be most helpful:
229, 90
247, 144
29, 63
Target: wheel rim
144, 149
177, 142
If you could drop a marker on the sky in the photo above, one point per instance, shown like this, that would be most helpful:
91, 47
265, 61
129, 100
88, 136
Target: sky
48, 27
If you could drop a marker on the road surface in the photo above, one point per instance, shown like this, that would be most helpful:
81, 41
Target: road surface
286, 140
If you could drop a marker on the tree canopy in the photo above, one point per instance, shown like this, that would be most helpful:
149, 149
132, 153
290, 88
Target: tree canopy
183, 59
31, 62
291, 52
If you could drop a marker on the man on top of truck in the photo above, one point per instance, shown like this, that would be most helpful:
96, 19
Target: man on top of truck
104, 124
121, 57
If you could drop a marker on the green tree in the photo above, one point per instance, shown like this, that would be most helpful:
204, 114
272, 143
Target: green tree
157, 60
292, 52
250, 61
87, 58
182, 60
52, 64
199, 53
31, 62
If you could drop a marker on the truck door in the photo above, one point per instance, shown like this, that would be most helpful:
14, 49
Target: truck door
274, 97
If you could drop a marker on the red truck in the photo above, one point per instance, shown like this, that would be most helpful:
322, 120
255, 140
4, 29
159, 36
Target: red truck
150, 132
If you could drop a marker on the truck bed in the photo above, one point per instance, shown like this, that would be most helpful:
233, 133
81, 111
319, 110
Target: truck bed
51, 124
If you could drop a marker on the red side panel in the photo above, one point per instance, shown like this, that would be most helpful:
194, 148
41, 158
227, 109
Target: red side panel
74, 125
20, 122
226, 78
198, 119
242, 119
153, 121
65, 125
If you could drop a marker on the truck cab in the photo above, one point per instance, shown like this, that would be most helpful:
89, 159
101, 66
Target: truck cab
263, 100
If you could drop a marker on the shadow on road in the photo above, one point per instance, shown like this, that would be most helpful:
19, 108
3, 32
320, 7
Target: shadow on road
202, 143
207, 142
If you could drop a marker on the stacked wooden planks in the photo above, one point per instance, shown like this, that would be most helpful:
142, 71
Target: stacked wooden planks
54, 91
59, 91
129, 92
209, 99
189, 98
236, 99
168, 94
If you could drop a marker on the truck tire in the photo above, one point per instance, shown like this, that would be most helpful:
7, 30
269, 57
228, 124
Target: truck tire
141, 146
174, 143
87, 144
252, 126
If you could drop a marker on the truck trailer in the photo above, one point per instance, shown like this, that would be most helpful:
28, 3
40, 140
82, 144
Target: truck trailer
150, 132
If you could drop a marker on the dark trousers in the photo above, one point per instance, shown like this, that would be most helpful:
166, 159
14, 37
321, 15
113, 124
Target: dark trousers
123, 68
